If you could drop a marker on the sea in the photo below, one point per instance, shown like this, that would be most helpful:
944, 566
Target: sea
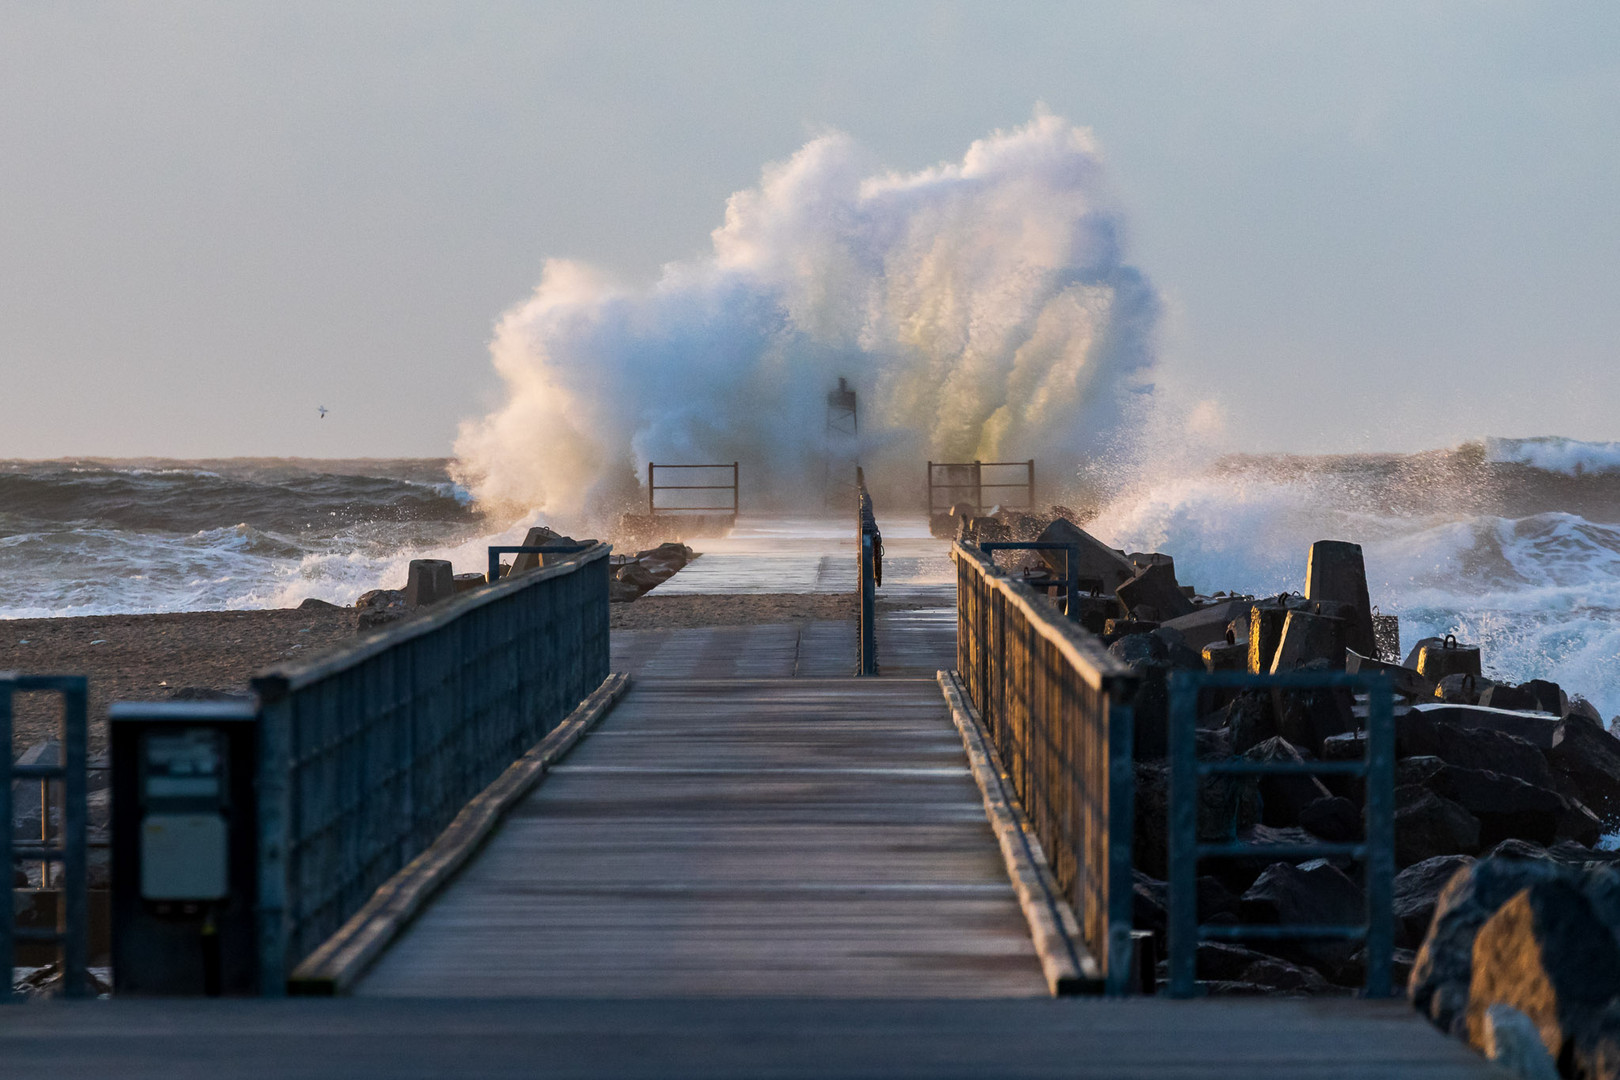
1511, 544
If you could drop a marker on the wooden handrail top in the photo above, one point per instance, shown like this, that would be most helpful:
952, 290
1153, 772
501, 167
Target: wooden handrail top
276, 682
1100, 670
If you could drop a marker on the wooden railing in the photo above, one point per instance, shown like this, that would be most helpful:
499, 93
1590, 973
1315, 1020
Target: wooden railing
1057, 708
366, 756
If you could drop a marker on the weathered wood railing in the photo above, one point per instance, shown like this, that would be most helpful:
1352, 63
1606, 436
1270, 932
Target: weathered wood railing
367, 755
1058, 709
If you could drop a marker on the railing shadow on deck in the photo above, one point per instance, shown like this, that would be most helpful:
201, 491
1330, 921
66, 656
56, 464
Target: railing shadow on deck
1058, 709
367, 755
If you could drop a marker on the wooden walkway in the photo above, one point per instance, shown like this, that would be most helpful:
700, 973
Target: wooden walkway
749, 837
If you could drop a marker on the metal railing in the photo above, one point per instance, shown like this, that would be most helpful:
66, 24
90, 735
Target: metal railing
366, 756
71, 934
1376, 850
869, 575
1058, 710
967, 478
654, 487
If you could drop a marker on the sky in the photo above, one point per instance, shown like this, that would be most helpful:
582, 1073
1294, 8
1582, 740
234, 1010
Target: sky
1374, 226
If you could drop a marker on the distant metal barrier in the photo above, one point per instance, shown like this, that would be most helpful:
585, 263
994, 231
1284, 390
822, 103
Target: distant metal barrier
366, 756
869, 550
966, 480
1058, 709
1071, 563
1376, 850
71, 934
654, 487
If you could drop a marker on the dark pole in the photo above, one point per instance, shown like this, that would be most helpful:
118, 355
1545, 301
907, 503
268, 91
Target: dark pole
736, 501
651, 508
1032, 485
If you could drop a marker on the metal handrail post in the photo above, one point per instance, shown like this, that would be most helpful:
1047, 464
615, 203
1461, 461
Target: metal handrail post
8, 916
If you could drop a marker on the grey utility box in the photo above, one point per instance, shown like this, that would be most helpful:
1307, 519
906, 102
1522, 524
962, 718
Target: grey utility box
184, 847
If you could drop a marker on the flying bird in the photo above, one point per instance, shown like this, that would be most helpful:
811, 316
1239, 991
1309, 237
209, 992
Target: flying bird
322, 410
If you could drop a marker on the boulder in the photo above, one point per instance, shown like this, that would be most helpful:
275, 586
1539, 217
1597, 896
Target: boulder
1513, 1043
621, 592
1224, 812
1312, 893
1096, 562
1417, 891
1517, 698
379, 607
1155, 587
1337, 573
313, 604
1224, 963
1283, 798
1589, 758
1545, 953
641, 576
1252, 717
1422, 734
1150, 903
1427, 825
1333, 818
1507, 807
1439, 987
1534, 728
467, 582
1224, 656
1549, 696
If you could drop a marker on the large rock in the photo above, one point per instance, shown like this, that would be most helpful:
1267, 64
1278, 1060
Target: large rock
1506, 806
1308, 636
1097, 564
1284, 797
1445, 964
1337, 573
1154, 590
1334, 818
1589, 758
1514, 1044
1422, 734
1436, 658
1417, 892
1403, 680
379, 607
1533, 727
1427, 825
1312, 893
1545, 953
538, 536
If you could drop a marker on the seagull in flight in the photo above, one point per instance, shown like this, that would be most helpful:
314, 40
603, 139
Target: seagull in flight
322, 410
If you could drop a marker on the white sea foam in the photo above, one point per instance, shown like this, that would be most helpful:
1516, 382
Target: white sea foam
979, 308
1554, 454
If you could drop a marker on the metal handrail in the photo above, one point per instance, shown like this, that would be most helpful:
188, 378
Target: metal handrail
70, 849
1376, 850
653, 488
869, 575
1059, 711
365, 756
977, 484
497, 550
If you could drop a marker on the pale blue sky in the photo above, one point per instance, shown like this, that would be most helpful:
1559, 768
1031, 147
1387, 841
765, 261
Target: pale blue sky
1376, 226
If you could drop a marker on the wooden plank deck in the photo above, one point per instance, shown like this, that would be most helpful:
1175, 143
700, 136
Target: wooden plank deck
737, 837
721, 1039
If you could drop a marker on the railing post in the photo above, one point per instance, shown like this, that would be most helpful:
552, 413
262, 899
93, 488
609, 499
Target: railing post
73, 915
736, 493
1121, 728
275, 767
1183, 920
1380, 826
652, 488
1032, 485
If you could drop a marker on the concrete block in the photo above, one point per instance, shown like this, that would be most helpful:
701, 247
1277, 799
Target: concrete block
1337, 573
1097, 561
1207, 625
1155, 587
467, 582
1224, 657
1307, 637
429, 581
1439, 657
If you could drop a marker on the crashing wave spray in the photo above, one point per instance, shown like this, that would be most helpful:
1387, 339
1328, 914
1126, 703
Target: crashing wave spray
981, 309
